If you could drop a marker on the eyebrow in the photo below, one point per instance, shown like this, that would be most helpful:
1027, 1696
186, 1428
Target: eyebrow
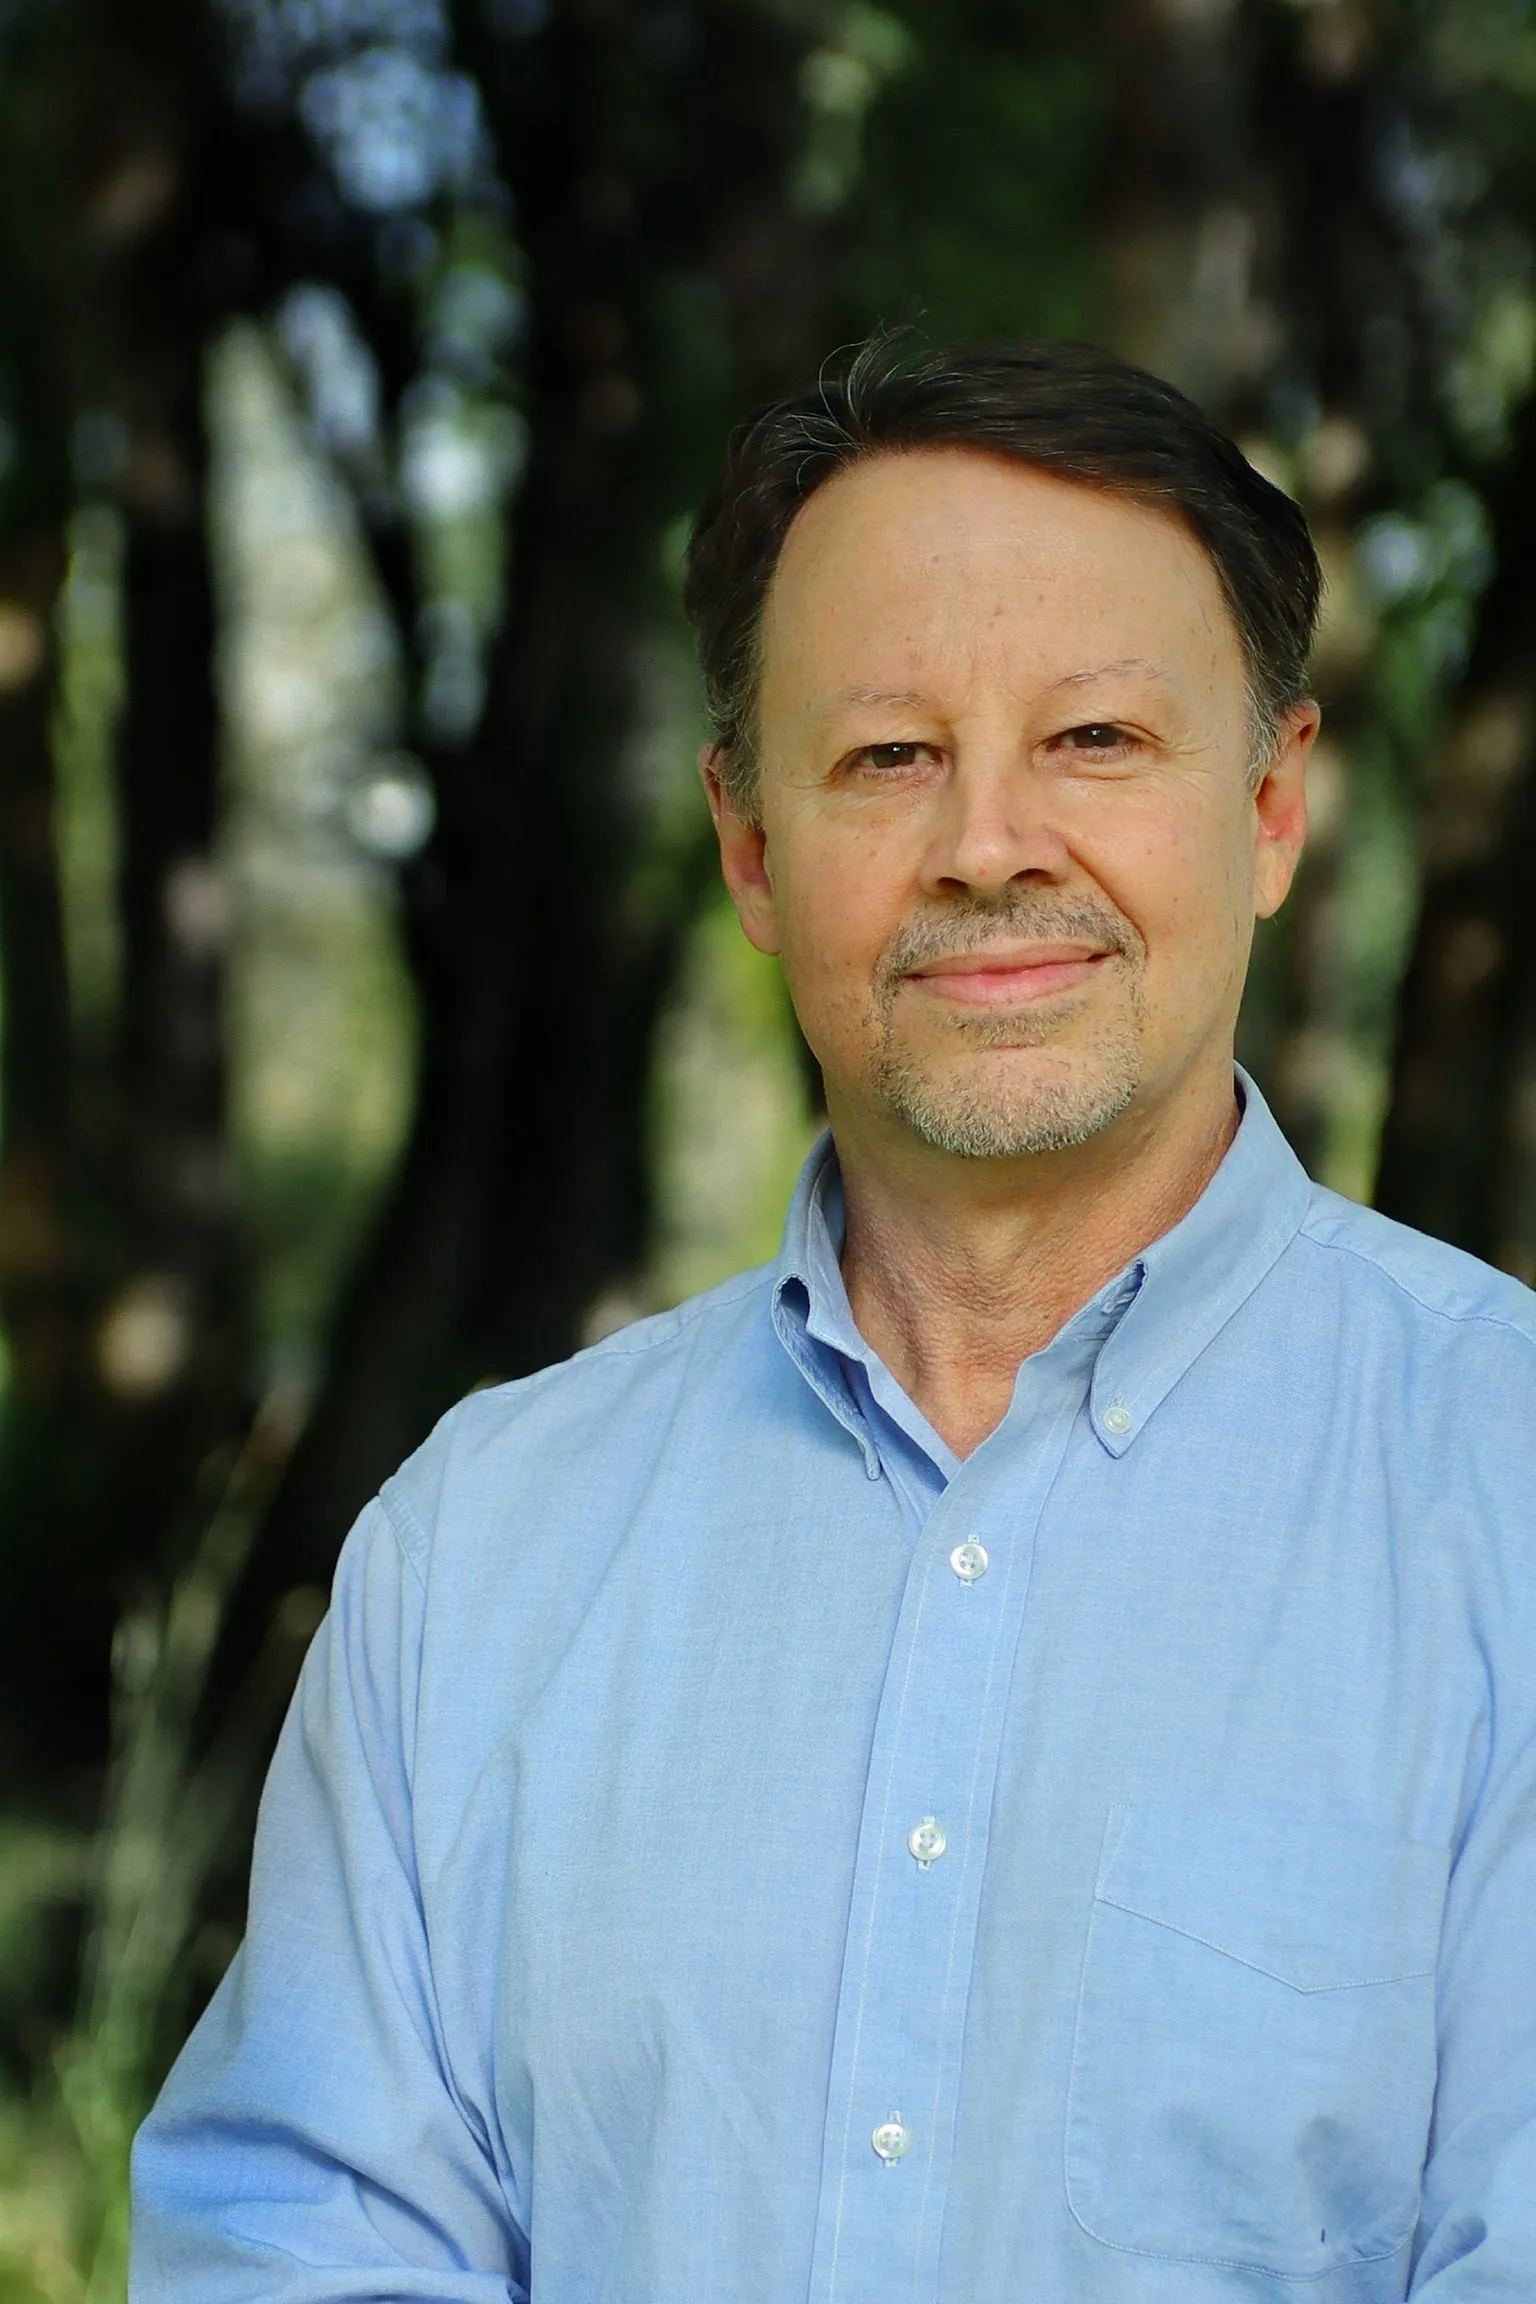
1142, 664
860, 695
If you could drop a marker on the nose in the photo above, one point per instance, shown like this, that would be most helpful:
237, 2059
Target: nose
994, 823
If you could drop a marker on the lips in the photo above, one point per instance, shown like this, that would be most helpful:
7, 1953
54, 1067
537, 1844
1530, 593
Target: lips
1008, 976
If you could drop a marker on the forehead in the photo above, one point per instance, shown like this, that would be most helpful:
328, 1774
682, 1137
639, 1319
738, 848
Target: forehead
939, 564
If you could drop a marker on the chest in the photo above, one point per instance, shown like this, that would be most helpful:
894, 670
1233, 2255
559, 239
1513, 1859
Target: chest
804, 1821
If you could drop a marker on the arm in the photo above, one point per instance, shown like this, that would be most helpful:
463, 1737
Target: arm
1477, 2225
311, 2145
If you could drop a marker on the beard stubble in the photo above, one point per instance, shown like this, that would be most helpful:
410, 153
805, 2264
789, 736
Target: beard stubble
1058, 1105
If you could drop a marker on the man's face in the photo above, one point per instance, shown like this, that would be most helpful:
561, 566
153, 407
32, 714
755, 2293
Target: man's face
1009, 846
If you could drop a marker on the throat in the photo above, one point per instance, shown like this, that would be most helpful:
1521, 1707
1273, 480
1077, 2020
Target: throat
955, 1288
953, 1342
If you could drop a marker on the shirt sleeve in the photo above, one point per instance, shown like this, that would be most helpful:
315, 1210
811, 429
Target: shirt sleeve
1477, 2227
311, 2146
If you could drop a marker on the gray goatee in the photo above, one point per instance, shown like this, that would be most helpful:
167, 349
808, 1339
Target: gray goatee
1068, 1097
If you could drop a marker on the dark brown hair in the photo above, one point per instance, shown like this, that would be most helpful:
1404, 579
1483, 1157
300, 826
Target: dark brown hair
1066, 408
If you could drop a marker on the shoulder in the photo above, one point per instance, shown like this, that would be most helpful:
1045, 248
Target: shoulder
1426, 1347
602, 1407
1430, 1284
1403, 1373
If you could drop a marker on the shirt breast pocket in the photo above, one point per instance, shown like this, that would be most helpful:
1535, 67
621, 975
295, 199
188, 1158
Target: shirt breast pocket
1254, 2061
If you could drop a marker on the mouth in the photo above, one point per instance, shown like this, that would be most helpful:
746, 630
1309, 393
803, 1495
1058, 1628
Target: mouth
1008, 975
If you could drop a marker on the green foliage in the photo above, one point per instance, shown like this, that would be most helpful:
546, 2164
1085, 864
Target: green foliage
975, 206
172, 1819
731, 1113
319, 1015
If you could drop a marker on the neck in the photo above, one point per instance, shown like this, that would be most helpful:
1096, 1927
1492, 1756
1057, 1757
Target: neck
957, 1270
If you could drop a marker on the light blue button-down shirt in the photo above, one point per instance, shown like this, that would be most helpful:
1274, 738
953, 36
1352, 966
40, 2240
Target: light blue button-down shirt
727, 1850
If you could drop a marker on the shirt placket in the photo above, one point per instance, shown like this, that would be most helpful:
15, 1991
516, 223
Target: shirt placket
921, 1858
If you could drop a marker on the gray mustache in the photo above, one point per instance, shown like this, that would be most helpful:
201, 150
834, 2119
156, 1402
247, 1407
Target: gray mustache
972, 924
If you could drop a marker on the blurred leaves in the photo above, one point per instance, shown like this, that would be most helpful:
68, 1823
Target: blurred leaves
171, 1815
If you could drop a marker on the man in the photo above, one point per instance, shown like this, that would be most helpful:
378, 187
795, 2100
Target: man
994, 1760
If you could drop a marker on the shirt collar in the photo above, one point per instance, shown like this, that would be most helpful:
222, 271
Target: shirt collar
811, 1312
1161, 1312
1197, 1276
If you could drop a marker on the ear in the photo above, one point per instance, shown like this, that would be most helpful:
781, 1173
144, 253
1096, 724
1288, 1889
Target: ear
1280, 810
743, 855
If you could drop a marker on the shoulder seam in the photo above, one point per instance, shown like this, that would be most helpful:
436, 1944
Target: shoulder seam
684, 1315
393, 1499
1396, 1280
410, 1536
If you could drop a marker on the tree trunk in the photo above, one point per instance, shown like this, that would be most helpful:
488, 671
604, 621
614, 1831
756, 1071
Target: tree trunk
1453, 1150
1253, 254
142, 207
45, 1487
522, 1194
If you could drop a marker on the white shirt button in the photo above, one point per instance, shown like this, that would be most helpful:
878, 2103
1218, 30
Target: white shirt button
969, 1560
1116, 1417
891, 2140
927, 1841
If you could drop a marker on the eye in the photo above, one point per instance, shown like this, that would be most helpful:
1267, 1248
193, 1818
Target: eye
1095, 736
891, 759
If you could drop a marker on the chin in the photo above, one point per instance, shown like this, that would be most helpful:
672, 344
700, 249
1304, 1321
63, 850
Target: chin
982, 1111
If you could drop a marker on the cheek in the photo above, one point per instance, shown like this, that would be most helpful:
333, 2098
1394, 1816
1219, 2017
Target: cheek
836, 917
829, 958
1186, 883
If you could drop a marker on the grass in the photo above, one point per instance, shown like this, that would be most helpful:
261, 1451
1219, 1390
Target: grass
176, 1812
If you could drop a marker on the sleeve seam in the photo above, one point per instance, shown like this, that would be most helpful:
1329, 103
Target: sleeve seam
408, 1532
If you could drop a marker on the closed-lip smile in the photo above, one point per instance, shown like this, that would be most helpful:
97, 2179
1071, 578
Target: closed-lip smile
1005, 975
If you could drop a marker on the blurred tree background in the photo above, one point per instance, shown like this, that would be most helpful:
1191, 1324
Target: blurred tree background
370, 1026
